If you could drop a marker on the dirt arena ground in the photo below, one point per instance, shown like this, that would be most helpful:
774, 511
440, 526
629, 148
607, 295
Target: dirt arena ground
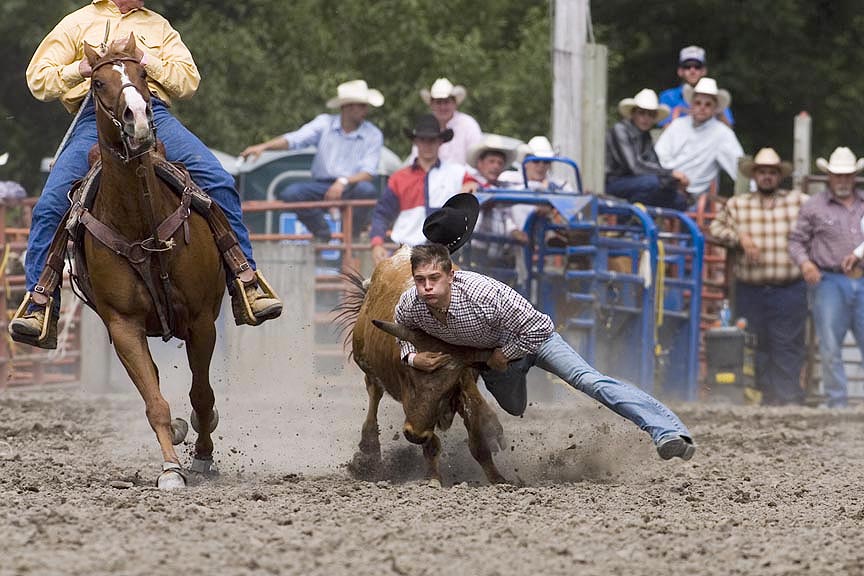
771, 491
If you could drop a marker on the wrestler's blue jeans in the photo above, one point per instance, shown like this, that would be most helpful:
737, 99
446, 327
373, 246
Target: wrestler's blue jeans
180, 146
557, 357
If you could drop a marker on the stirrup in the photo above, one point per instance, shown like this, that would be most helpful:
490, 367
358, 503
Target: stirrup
47, 337
241, 306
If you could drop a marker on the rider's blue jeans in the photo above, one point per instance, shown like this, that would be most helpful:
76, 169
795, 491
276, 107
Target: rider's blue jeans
180, 146
556, 356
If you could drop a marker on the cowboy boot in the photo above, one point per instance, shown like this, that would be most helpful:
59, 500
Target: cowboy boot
32, 328
254, 302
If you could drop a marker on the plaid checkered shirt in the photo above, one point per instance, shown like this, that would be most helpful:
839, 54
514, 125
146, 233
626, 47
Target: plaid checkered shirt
768, 221
483, 313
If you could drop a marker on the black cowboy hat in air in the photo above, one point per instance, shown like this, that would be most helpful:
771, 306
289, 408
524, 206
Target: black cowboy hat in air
426, 126
453, 223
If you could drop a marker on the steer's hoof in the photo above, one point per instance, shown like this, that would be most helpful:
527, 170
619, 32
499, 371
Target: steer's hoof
172, 477
179, 429
193, 419
434, 483
365, 466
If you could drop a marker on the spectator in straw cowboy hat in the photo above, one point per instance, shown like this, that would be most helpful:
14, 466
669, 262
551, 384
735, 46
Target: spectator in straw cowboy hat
827, 231
699, 145
444, 99
417, 190
633, 171
769, 290
347, 156
692, 67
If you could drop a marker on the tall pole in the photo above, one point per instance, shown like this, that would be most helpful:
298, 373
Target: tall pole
568, 47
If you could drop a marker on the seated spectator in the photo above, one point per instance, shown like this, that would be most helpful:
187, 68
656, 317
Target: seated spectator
488, 159
536, 171
699, 145
347, 156
416, 190
443, 99
692, 67
633, 171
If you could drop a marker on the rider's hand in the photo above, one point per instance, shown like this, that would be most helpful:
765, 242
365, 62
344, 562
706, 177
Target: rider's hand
497, 361
430, 361
84, 68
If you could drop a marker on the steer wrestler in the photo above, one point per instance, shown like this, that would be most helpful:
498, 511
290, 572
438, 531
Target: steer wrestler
469, 309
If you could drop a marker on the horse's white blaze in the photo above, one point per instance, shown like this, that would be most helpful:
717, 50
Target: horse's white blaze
135, 102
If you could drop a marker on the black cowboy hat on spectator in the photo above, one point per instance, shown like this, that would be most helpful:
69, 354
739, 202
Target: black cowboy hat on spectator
453, 223
426, 126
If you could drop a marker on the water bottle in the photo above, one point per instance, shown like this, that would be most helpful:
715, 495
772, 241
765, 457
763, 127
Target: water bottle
725, 313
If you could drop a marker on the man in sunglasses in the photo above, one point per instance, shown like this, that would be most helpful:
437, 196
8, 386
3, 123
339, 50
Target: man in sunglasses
692, 67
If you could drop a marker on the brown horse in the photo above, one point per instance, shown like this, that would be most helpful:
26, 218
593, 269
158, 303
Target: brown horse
185, 269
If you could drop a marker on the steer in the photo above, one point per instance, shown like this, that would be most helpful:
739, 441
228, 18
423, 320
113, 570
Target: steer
429, 399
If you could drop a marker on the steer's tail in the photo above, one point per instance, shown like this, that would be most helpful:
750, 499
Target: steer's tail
352, 300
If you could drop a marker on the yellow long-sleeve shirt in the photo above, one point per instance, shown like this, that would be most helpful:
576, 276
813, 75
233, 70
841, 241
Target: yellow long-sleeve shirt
53, 70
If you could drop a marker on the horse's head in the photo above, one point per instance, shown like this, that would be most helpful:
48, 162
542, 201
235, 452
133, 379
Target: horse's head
119, 85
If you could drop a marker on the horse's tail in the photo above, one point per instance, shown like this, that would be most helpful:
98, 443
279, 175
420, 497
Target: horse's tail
352, 300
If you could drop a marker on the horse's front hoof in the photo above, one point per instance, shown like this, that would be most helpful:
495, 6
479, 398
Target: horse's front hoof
196, 425
172, 477
204, 467
179, 430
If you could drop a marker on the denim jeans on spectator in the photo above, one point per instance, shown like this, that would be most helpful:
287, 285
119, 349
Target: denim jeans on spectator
180, 146
838, 305
314, 190
557, 357
646, 189
777, 316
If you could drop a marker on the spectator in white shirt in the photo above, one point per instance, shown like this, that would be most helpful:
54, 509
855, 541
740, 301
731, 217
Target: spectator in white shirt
443, 99
699, 145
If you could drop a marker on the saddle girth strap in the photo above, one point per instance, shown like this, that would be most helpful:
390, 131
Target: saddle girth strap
147, 185
137, 253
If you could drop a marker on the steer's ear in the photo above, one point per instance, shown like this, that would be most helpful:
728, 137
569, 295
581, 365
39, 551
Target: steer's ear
397, 330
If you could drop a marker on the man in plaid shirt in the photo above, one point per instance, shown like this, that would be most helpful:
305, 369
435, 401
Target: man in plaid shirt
469, 309
769, 290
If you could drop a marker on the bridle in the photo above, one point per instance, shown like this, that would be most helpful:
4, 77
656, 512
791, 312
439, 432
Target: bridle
128, 152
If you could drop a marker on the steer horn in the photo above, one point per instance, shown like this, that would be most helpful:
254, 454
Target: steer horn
398, 331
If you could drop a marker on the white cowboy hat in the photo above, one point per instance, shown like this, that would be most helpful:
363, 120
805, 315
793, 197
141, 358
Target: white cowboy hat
443, 88
708, 86
536, 146
491, 142
646, 99
842, 161
765, 157
4, 158
355, 92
